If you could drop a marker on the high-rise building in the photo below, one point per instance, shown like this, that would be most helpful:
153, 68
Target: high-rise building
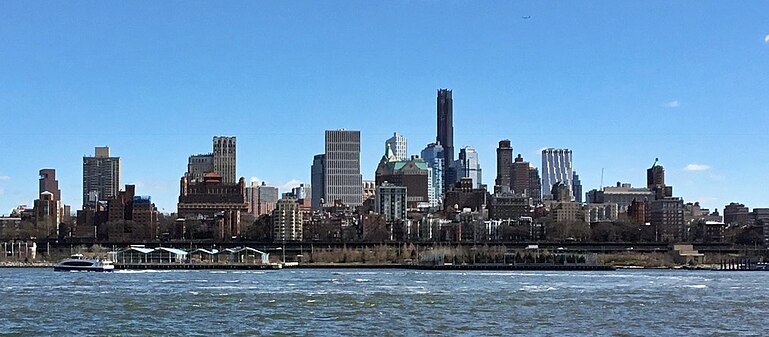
556, 167
666, 215
503, 182
623, 195
399, 146
214, 202
198, 165
317, 181
341, 175
48, 215
287, 220
736, 214
303, 191
445, 137
535, 185
261, 198
576, 187
101, 176
414, 174
655, 181
433, 156
48, 183
391, 201
224, 158
469, 166
519, 179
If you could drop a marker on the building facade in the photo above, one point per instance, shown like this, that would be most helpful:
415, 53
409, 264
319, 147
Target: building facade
48, 183
445, 136
317, 180
469, 166
287, 220
224, 158
101, 176
262, 199
556, 167
399, 146
433, 156
342, 177
503, 183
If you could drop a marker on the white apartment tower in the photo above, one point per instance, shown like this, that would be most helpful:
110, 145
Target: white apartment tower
399, 146
556, 167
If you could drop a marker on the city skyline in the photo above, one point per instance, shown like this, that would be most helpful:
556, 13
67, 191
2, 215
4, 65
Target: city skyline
619, 91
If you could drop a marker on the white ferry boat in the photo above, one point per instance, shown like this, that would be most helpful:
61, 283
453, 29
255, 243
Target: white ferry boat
79, 263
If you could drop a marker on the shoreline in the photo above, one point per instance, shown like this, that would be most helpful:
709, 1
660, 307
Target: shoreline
470, 267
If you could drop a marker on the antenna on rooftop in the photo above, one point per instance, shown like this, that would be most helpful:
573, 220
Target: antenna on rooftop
601, 187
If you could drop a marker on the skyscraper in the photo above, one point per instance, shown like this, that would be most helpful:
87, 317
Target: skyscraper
317, 181
535, 185
48, 183
655, 181
445, 135
469, 166
520, 180
341, 173
399, 146
224, 158
556, 167
576, 187
101, 176
504, 166
433, 156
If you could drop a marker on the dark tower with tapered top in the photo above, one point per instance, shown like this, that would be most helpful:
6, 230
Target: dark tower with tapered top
446, 134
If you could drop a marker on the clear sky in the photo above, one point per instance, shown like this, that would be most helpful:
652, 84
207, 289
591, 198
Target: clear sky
618, 82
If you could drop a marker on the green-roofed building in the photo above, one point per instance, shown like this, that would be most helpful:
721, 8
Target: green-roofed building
414, 174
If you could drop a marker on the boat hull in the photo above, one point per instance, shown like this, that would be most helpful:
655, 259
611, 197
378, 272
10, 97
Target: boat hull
74, 268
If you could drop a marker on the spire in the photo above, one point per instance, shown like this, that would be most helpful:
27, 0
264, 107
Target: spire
389, 153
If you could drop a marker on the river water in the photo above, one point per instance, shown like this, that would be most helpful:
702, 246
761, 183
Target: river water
365, 302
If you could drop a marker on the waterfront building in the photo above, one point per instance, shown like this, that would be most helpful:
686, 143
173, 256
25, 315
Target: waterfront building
520, 180
468, 165
399, 146
101, 176
391, 201
667, 217
217, 204
503, 183
317, 180
556, 167
433, 156
445, 136
341, 172
287, 220
47, 215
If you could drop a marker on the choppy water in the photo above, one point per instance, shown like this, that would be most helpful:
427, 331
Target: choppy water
40, 302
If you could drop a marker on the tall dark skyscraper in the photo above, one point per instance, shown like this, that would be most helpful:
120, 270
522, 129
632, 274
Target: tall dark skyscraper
446, 135
504, 166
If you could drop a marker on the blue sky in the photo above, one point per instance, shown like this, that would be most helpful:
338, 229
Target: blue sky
619, 83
